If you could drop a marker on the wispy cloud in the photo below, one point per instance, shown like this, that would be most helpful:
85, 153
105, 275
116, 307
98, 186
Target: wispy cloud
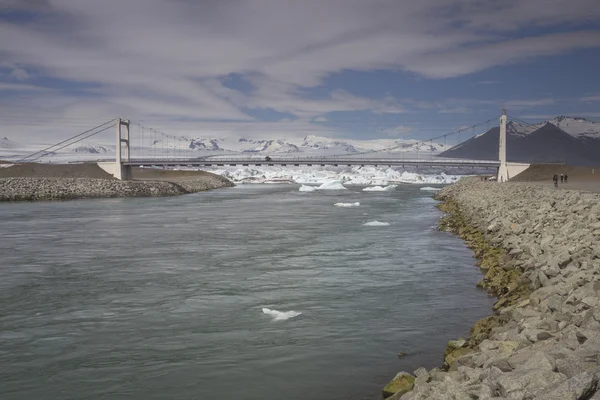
524, 103
454, 110
167, 59
398, 130
590, 99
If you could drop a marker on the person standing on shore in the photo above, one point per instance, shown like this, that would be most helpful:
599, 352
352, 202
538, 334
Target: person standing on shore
566, 177
562, 178
555, 179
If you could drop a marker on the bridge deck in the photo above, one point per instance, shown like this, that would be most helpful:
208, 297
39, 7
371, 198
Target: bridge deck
210, 162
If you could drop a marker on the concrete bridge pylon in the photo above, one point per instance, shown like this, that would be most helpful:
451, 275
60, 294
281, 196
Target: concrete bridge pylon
122, 172
503, 169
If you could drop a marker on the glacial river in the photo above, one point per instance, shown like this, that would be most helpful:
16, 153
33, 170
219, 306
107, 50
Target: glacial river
162, 298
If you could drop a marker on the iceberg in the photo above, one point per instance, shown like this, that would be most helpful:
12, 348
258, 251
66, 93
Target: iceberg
280, 315
376, 223
305, 188
316, 175
332, 185
347, 205
430, 189
379, 188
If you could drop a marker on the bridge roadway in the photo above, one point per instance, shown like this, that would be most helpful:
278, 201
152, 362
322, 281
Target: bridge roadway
312, 161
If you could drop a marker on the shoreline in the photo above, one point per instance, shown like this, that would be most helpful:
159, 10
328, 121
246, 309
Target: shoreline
543, 339
39, 182
41, 189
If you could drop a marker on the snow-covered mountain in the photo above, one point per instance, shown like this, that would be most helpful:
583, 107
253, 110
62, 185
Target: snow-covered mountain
205, 144
518, 129
6, 143
323, 143
268, 146
91, 149
413, 146
578, 127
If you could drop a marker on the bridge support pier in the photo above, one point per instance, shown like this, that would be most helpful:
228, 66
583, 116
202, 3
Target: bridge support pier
120, 171
503, 169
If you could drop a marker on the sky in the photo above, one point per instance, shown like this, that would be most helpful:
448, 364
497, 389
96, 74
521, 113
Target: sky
360, 69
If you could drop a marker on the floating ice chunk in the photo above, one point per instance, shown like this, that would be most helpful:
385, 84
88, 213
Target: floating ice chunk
375, 223
280, 315
430, 189
305, 188
347, 204
379, 188
332, 185
356, 175
373, 189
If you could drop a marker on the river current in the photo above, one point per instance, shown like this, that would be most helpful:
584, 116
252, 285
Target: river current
163, 298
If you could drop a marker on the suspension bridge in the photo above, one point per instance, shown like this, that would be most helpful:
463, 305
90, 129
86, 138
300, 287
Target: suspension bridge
139, 145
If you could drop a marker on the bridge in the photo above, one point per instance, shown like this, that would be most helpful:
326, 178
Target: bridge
132, 150
220, 161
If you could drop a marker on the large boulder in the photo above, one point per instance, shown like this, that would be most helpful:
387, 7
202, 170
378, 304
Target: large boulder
579, 387
524, 385
401, 384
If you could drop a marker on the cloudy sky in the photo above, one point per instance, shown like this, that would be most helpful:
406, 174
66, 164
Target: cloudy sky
284, 68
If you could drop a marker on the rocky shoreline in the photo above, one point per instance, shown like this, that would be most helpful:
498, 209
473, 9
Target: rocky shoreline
33, 189
537, 247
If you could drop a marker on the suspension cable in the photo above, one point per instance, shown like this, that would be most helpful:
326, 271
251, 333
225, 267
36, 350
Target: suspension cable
48, 150
69, 144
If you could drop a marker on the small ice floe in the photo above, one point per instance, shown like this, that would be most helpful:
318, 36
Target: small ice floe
430, 189
332, 185
305, 188
375, 223
280, 315
379, 188
347, 205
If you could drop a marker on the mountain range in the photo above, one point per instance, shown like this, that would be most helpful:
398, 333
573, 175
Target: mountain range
574, 141
309, 144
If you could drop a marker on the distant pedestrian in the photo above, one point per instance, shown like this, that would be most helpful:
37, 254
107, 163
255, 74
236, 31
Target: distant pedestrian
562, 178
566, 178
555, 179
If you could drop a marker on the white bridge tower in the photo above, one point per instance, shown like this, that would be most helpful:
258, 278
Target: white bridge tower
122, 172
503, 169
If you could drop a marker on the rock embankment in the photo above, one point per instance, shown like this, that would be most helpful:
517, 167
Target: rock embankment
540, 253
28, 189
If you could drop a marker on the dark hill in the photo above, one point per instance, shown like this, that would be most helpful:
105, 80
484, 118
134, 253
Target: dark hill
547, 144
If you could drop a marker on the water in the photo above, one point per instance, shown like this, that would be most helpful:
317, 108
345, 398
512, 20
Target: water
162, 298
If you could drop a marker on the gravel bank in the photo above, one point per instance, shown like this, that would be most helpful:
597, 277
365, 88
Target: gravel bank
18, 189
38, 170
539, 250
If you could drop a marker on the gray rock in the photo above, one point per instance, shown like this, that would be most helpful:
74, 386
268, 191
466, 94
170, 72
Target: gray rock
556, 331
538, 361
581, 386
521, 385
437, 374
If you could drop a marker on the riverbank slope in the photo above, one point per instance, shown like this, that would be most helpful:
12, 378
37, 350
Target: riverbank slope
27, 182
538, 248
